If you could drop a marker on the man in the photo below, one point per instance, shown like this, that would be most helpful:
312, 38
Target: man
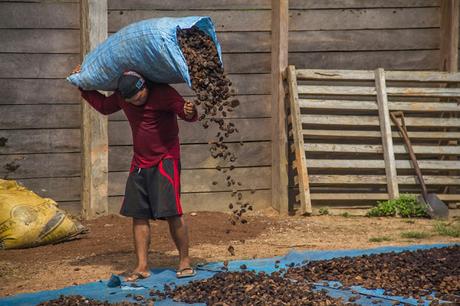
153, 186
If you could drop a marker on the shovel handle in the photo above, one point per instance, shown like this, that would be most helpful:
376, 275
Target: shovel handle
403, 130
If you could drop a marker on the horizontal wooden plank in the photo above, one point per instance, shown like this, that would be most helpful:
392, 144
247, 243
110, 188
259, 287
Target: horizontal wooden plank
310, 133
200, 180
29, 66
254, 106
58, 189
37, 91
381, 180
359, 75
242, 20
424, 92
396, 60
398, 149
40, 41
373, 121
364, 19
378, 164
198, 156
249, 130
41, 165
370, 105
263, 4
363, 40
336, 90
209, 201
39, 116
349, 196
244, 84
247, 62
40, 141
50, 15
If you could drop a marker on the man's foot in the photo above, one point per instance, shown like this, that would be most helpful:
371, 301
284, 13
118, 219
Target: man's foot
134, 276
186, 272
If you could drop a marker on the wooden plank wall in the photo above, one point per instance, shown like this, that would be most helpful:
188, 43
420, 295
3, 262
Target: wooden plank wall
39, 111
360, 34
244, 32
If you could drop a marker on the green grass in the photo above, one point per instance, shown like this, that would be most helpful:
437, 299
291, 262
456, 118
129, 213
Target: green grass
323, 211
379, 239
451, 230
415, 235
346, 215
406, 206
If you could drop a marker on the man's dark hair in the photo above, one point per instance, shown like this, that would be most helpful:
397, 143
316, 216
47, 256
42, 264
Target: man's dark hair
130, 83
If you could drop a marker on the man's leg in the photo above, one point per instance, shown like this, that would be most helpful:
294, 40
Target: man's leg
141, 232
179, 233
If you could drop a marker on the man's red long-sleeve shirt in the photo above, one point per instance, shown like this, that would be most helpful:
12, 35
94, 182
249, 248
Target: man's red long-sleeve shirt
154, 125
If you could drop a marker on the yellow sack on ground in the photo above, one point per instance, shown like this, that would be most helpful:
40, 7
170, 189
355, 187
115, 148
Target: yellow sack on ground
28, 220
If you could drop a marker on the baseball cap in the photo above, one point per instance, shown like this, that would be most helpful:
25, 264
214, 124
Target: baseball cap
130, 83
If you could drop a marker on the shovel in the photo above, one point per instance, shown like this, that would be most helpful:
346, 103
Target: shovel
435, 207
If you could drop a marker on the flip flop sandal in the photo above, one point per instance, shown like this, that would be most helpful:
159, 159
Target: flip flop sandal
136, 276
182, 274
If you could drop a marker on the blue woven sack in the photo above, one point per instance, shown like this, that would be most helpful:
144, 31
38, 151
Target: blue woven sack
149, 47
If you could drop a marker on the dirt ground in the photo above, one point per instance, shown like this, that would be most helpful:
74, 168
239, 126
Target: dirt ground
108, 248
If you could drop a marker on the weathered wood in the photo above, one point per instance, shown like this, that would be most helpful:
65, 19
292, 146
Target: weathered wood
425, 107
94, 146
208, 201
449, 35
238, 20
198, 156
309, 133
381, 180
389, 18
396, 60
264, 4
58, 189
280, 151
249, 130
39, 41
359, 75
37, 91
200, 180
424, 92
373, 121
40, 141
377, 149
39, 116
385, 130
336, 90
300, 159
45, 15
349, 196
41, 165
379, 164
363, 40
245, 84
32, 66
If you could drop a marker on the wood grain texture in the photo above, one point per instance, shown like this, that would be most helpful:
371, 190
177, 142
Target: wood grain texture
37, 66
39, 116
40, 41
37, 91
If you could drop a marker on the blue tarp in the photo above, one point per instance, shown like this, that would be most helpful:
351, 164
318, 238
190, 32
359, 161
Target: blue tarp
160, 277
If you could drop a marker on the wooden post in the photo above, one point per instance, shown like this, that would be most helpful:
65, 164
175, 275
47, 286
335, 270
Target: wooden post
387, 138
449, 35
299, 147
280, 31
94, 140
449, 49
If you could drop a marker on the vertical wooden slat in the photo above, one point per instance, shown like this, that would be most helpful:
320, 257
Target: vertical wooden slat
449, 35
94, 140
385, 129
299, 148
280, 18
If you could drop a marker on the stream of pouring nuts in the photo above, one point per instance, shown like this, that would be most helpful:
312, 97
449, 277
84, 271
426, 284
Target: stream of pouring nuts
216, 97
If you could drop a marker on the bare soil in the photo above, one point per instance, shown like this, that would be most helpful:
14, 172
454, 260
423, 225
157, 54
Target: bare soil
108, 247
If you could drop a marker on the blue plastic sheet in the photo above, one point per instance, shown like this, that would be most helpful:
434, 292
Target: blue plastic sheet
101, 291
149, 47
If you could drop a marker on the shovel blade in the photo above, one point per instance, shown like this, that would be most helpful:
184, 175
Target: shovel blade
437, 209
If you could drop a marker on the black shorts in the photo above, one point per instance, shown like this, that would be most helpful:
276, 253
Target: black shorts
153, 193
